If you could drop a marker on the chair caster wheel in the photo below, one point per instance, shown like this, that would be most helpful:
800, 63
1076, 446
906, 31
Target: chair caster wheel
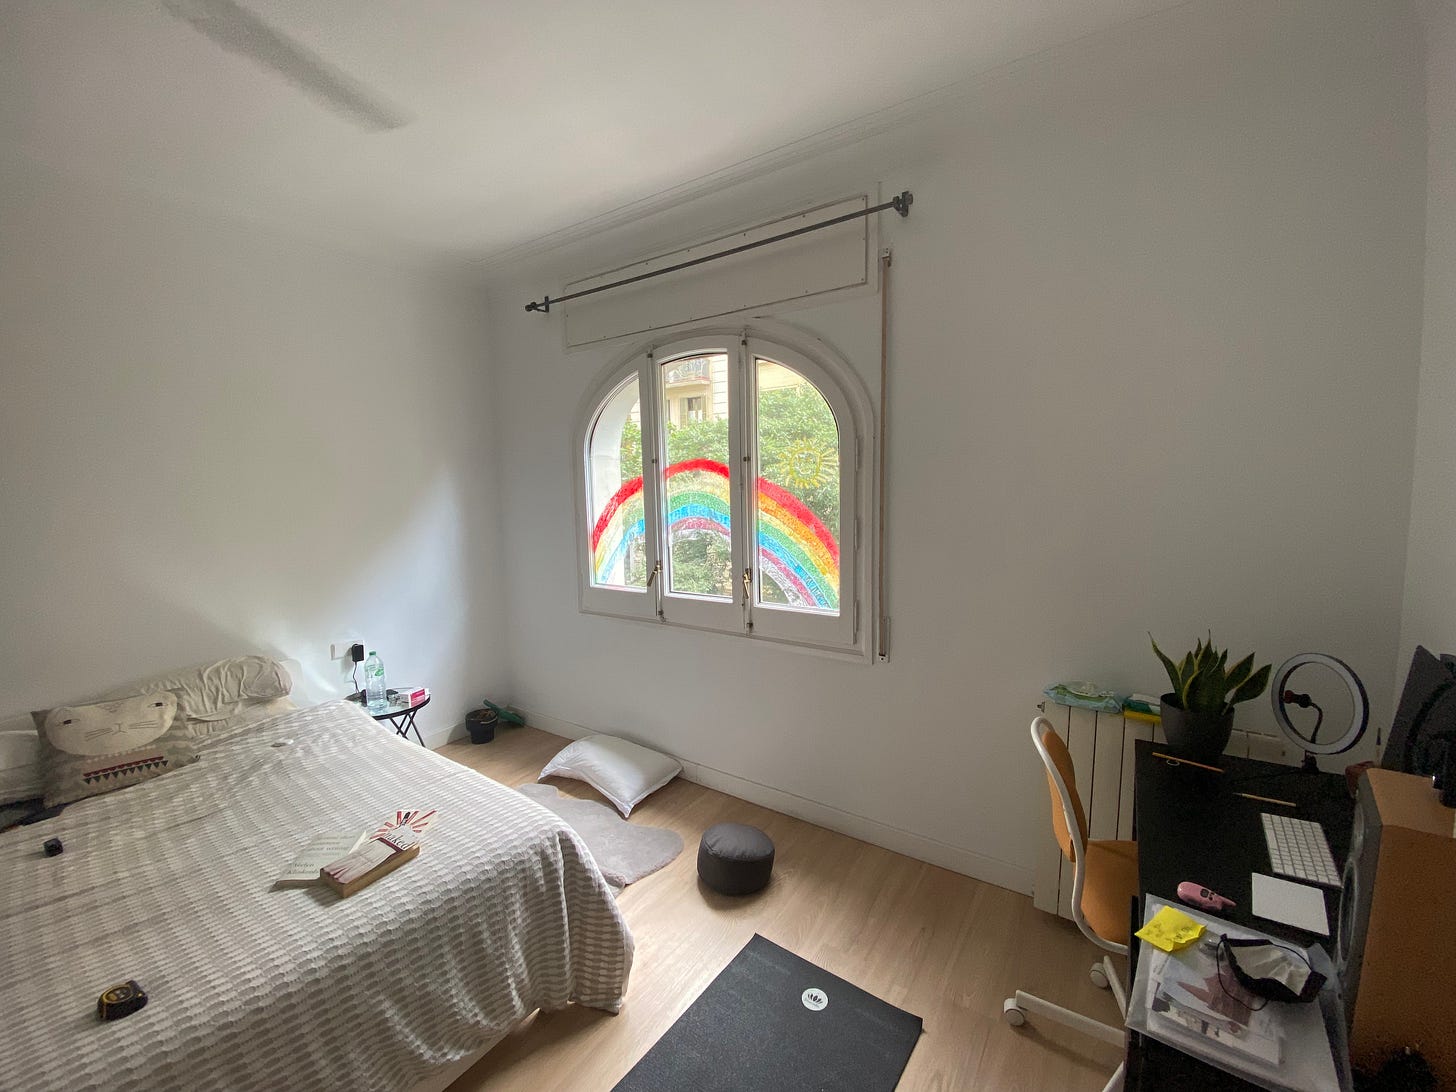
1098, 976
1014, 1015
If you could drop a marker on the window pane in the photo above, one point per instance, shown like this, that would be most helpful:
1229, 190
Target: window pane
695, 480
797, 506
618, 535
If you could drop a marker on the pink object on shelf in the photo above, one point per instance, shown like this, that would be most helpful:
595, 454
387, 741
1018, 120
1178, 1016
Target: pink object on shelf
1198, 895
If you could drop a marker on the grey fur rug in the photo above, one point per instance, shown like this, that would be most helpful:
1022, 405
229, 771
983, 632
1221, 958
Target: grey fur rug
625, 852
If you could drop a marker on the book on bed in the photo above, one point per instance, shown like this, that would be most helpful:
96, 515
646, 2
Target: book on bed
395, 842
321, 849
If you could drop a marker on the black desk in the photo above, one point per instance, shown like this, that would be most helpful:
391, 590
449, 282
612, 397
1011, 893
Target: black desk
1191, 824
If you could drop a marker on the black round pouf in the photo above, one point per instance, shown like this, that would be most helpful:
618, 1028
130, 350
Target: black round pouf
734, 859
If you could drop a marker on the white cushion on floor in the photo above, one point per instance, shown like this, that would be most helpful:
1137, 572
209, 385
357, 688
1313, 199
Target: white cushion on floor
625, 773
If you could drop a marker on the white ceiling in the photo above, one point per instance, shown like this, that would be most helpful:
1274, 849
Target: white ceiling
528, 117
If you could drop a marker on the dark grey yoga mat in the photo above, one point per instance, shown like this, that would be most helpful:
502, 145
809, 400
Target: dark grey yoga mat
773, 1021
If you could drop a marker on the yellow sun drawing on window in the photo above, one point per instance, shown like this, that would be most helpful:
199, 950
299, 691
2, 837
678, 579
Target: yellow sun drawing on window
803, 464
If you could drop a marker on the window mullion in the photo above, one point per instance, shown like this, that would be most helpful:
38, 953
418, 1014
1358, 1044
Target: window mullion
652, 480
744, 468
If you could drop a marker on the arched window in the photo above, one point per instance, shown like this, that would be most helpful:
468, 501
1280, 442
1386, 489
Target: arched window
722, 489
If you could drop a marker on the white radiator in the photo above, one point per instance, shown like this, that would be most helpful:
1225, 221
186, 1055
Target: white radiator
1102, 751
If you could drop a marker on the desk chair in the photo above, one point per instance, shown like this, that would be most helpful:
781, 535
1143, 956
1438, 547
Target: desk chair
1105, 882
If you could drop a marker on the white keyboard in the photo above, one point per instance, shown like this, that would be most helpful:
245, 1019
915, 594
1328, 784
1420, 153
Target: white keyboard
1297, 848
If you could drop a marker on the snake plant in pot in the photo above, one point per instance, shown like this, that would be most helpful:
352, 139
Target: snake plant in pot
1198, 713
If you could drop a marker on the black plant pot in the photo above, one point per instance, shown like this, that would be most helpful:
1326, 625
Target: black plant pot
481, 725
1193, 736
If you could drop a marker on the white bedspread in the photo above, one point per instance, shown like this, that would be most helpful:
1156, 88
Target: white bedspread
170, 883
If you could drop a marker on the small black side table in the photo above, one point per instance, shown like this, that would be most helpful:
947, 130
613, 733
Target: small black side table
401, 717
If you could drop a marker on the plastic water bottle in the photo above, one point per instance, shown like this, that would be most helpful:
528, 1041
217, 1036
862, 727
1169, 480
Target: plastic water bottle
374, 690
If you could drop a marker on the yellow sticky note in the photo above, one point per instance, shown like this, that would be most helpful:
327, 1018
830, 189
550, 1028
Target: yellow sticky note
1171, 930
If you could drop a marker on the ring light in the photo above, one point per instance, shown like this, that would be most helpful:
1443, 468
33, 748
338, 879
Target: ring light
1281, 698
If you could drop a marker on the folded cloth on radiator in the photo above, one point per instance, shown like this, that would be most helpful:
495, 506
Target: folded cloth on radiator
1084, 695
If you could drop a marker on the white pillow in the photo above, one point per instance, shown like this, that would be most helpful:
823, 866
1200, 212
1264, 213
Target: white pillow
20, 772
205, 733
623, 772
219, 698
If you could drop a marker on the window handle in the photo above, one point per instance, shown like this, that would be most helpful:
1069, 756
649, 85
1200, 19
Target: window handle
747, 584
657, 568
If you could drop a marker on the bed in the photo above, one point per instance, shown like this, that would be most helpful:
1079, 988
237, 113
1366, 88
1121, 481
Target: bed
170, 883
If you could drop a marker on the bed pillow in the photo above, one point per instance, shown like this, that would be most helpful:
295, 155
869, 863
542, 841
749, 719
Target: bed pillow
20, 777
205, 731
87, 750
219, 699
623, 772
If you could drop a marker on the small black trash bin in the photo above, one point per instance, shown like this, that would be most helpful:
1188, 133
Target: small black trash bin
481, 724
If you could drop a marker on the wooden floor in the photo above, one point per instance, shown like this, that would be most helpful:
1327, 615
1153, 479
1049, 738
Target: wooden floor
946, 947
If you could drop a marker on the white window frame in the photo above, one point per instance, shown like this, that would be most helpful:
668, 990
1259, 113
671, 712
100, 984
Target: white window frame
604, 599
847, 633
787, 624
677, 608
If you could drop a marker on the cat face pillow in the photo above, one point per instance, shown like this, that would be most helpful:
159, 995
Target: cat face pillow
87, 750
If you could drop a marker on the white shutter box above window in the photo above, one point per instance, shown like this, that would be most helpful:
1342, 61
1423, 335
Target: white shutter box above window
835, 258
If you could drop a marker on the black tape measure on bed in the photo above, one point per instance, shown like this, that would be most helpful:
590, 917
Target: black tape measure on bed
122, 1000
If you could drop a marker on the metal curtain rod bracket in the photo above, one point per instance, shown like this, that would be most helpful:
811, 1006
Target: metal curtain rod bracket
901, 203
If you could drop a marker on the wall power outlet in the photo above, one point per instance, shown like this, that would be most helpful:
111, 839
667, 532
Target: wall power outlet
339, 649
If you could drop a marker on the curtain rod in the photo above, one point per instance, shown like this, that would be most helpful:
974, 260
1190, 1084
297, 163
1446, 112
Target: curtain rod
900, 204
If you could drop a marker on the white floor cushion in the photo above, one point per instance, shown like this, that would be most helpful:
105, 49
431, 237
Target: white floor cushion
623, 772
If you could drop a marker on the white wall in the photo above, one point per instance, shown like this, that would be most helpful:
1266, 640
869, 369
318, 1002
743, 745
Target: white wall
1429, 617
1155, 339
195, 416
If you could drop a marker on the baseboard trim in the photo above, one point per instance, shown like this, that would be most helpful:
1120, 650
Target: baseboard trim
967, 862
435, 738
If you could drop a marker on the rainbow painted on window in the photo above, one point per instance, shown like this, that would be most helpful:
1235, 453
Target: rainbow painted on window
796, 550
